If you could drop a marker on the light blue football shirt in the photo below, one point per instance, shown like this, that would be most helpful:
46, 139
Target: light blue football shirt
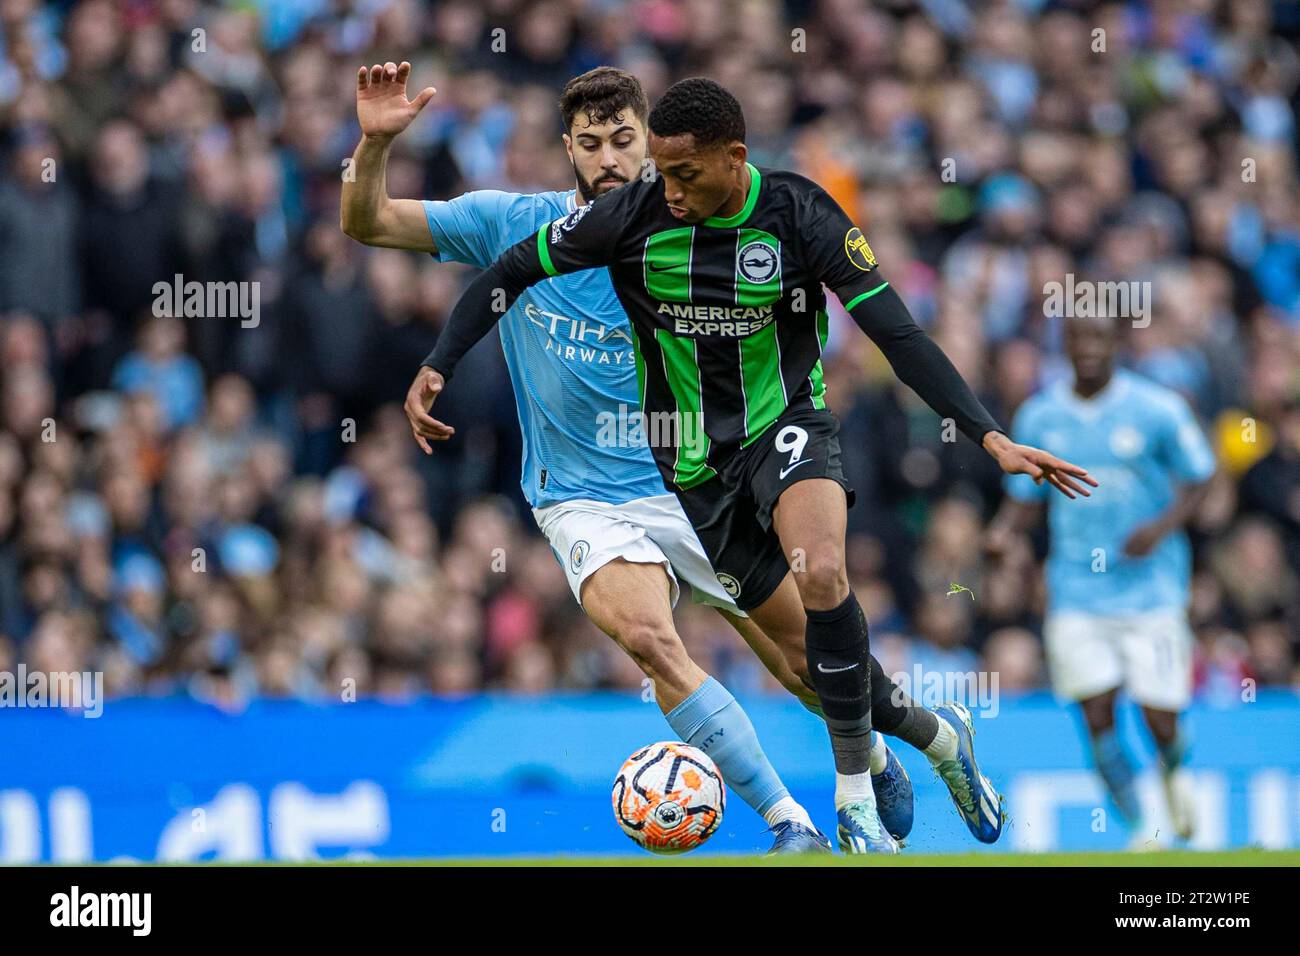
1140, 441
568, 347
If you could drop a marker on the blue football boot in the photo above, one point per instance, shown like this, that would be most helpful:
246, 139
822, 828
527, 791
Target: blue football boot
979, 804
792, 837
893, 790
861, 831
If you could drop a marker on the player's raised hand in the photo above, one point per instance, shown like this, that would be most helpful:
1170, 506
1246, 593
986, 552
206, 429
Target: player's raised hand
1040, 465
419, 399
382, 107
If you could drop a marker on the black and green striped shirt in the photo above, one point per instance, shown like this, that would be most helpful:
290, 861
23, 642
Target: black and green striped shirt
729, 315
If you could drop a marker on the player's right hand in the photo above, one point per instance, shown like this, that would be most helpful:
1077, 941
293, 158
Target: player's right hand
419, 399
1040, 465
382, 107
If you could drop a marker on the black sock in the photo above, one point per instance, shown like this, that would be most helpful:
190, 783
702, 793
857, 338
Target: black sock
839, 662
896, 714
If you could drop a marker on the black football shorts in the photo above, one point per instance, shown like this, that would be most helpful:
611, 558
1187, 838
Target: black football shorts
732, 513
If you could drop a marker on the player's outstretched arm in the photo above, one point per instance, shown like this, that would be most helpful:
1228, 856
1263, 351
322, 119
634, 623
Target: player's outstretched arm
842, 259
481, 306
924, 367
584, 239
367, 213
483, 303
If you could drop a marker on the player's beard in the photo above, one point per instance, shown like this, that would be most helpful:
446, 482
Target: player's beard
590, 190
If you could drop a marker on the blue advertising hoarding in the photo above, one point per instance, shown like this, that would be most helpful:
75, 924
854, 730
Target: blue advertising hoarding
172, 779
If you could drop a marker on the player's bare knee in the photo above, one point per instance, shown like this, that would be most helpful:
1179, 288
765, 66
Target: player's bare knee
823, 582
655, 646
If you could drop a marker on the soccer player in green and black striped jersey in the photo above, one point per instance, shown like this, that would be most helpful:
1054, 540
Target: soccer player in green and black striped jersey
720, 267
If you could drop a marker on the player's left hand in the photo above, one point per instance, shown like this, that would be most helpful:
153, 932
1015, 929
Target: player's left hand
383, 110
1040, 465
1144, 539
419, 400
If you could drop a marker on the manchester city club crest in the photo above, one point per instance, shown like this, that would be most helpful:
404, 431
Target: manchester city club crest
578, 554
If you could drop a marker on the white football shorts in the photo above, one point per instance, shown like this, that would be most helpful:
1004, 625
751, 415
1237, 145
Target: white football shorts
587, 535
1149, 653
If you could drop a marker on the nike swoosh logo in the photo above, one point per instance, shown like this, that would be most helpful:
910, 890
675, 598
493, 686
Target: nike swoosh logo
802, 461
654, 268
833, 670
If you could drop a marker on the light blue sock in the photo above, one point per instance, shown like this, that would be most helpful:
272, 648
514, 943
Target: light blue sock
1117, 773
712, 720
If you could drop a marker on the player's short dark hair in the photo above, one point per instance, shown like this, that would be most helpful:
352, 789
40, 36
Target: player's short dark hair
601, 94
702, 108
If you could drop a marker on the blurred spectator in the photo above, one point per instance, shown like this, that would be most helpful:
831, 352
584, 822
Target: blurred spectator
39, 219
161, 368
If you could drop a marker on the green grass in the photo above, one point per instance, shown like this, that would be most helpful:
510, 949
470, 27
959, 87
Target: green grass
1288, 858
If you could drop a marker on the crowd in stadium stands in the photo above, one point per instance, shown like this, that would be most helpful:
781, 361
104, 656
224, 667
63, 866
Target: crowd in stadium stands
226, 507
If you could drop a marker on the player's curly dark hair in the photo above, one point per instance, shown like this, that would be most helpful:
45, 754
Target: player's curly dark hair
602, 94
701, 107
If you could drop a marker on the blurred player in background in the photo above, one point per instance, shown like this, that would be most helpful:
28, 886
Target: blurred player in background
1119, 567
721, 267
622, 540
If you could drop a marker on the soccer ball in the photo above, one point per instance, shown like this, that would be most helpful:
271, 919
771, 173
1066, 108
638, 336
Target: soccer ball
669, 797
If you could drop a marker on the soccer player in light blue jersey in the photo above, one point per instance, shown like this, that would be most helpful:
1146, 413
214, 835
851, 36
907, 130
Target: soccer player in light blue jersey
1119, 565
623, 541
